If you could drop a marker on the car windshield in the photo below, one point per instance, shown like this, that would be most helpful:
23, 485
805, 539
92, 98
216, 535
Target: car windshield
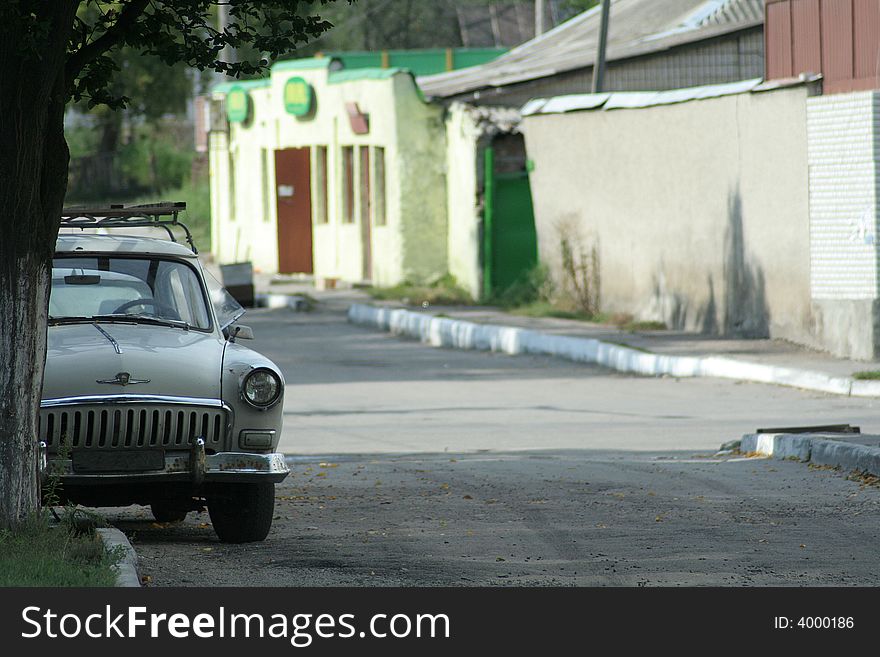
146, 290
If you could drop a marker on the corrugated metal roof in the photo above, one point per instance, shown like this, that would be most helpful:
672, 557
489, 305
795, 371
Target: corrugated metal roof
737, 11
637, 27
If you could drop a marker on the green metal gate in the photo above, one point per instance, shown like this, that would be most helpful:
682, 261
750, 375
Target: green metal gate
510, 243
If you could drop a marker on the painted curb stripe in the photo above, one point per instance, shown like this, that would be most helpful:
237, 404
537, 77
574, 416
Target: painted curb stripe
460, 334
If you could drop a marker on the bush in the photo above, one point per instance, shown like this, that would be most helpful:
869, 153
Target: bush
445, 291
533, 286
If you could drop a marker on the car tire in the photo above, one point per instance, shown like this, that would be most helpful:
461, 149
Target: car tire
168, 511
242, 513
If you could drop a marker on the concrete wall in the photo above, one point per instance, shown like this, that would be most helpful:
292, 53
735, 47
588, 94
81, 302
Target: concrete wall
698, 211
240, 227
463, 191
421, 193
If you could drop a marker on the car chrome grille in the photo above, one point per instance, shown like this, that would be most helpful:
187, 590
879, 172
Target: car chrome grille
148, 425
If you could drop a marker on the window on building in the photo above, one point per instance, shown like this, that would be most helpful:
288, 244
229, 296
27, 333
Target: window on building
379, 204
321, 214
348, 184
366, 201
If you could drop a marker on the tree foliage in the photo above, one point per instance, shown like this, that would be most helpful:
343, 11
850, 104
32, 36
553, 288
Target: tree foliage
403, 24
172, 31
53, 52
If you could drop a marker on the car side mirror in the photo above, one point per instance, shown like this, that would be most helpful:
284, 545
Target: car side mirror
238, 332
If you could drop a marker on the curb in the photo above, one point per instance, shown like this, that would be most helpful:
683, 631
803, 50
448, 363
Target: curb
460, 334
814, 448
126, 569
274, 301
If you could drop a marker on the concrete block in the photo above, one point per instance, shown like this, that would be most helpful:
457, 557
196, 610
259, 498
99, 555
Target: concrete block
126, 569
847, 456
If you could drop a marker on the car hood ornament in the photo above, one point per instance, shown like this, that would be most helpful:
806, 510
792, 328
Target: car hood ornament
123, 379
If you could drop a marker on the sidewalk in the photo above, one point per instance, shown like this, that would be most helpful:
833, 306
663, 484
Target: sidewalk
675, 353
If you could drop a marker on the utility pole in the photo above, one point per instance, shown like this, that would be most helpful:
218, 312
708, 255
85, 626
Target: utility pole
599, 66
539, 17
228, 54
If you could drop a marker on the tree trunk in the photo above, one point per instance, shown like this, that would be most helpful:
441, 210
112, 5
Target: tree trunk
33, 182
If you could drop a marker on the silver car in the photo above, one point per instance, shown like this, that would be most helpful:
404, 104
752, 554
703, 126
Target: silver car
148, 396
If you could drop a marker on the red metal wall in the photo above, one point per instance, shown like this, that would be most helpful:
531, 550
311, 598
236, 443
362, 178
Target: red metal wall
838, 38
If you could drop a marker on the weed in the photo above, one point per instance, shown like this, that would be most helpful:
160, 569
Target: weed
445, 291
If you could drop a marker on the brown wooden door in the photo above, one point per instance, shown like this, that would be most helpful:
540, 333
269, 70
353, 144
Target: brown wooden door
293, 191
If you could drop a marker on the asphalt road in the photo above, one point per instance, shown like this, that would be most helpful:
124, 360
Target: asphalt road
420, 466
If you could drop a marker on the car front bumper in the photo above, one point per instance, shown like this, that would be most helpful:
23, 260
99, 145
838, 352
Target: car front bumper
193, 466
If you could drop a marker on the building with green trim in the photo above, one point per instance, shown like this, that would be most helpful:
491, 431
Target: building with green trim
334, 172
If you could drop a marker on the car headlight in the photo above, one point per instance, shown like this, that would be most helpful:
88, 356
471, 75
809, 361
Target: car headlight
261, 388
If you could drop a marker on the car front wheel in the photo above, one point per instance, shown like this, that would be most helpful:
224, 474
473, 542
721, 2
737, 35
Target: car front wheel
241, 513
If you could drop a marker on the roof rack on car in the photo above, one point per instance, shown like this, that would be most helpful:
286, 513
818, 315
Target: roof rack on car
148, 215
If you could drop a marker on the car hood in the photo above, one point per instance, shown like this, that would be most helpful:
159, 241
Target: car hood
158, 361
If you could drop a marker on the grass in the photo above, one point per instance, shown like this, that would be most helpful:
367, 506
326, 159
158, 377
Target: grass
867, 375
621, 321
527, 297
547, 309
68, 553
443, 292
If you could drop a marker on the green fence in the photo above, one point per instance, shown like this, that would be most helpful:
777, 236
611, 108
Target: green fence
420, 62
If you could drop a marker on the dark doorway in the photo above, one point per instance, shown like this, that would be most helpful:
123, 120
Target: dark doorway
293, 188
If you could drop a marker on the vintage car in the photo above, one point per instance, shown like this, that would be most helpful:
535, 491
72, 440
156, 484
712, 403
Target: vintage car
148, 396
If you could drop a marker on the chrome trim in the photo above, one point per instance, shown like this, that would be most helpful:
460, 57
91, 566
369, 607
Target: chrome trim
122, 379
110, 338
224, 466
165, 400
134, 399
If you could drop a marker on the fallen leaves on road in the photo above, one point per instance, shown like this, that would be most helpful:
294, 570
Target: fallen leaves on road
864, 479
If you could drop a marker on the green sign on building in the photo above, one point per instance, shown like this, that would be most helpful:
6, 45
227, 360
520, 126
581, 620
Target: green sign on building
238, 105
298, 97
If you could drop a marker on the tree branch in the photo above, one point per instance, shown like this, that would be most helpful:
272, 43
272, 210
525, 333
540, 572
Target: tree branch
114, 34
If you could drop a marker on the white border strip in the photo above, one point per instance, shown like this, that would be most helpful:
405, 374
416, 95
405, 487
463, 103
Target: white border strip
460, 334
